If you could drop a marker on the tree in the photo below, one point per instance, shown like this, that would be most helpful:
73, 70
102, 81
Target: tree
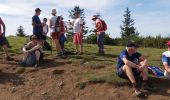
72, 16
127, 29
20, 31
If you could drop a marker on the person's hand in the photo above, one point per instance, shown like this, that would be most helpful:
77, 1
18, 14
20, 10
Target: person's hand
141, 68
43, 24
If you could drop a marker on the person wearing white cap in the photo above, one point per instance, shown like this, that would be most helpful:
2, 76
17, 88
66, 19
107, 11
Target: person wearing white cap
54, 32
166, 61
101, 27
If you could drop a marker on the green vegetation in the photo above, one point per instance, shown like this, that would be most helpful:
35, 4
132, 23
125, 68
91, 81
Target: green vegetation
100, 69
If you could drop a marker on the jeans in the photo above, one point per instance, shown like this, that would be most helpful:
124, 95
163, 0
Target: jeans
62, 40
100, 43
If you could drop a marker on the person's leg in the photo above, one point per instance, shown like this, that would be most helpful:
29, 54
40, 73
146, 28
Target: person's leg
81, 43
98, 37
129, 73
75, 41
37, 56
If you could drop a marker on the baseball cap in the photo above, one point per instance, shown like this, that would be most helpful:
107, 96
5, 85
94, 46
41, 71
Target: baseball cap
37, 9
53, 11
168, 43
94, 17
132, 44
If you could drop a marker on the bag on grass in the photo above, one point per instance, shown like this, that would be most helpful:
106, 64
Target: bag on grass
156, 71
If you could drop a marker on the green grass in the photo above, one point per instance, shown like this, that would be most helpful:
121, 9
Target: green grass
102, 68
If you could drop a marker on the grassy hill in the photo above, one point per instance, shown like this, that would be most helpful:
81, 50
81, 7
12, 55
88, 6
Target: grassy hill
87, 68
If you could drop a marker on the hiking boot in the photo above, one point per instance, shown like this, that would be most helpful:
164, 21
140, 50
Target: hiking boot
9, 58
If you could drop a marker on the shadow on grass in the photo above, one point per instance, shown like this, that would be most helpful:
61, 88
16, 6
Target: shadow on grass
11, 78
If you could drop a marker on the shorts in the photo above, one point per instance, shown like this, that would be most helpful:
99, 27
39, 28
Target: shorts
55, 35
122, 74
3, 41
78, 38
40, 36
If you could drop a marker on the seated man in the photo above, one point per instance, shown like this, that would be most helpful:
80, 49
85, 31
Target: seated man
32, 52
166, 61
131, 65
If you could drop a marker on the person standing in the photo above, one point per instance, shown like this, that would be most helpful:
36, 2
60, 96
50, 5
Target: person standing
101, 27
55, 32
3, 40
78, 33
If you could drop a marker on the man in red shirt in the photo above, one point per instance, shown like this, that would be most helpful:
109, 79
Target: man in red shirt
101, 27
3, 40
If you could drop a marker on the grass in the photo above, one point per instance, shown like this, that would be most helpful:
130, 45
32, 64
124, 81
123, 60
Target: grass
102, 67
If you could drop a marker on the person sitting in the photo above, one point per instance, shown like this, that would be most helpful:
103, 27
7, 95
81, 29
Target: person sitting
166, 61
32, 53
131, 65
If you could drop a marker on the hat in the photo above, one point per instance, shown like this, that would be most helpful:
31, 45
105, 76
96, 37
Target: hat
54, 11
168, 43
33, 37
94, 17
132, 44
37, 9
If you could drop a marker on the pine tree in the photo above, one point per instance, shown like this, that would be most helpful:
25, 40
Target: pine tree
20, 31
72, 16
127, 29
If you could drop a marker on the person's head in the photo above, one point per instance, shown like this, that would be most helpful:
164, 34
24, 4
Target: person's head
45, 20
54, 12
168, 45
94, 17
34, 38
77, 14
132, 47
38, 11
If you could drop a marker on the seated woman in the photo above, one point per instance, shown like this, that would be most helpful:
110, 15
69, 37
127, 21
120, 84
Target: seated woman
166, 61
32, 52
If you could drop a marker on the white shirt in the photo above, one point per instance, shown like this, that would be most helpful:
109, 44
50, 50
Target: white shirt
77, 25
45, 29
53, 21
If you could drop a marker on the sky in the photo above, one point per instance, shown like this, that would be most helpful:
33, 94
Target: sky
152, 17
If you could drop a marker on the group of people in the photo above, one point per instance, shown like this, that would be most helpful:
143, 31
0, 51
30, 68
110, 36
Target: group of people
131, 64
133, 67
33, 52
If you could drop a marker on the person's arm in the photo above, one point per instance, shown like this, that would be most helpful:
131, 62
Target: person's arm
129, 63
165, 63
167, 68
34, 22
98, 25
24, 49
38, 46
81, 22
4, 27
47, 29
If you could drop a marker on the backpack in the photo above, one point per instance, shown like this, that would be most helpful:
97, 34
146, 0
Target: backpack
104, 25
57, 25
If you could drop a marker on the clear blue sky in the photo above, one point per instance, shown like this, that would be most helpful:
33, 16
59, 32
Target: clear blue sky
152, 17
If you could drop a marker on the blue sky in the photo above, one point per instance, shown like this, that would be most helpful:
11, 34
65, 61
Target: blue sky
152, 17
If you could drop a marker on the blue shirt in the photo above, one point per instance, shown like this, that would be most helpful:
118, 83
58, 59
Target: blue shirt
166, 57
37, 29
124, 54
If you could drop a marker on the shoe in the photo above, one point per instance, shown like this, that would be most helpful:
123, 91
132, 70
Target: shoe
21, 63
36, 65
138, 93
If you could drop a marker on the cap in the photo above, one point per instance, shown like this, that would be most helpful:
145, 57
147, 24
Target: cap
37, 9
94, 17
53, 11
33, 37
168, 43
132, 44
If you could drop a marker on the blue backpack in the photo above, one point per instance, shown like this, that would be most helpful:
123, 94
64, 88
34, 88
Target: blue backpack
156, 71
